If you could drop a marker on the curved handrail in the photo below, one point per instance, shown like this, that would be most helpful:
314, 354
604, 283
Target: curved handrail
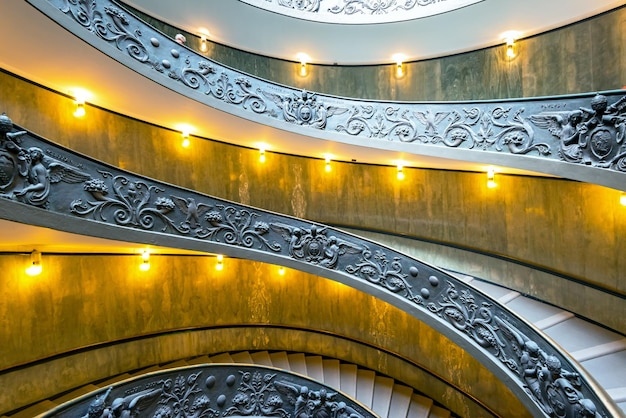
47, 185
216, 390
578, 137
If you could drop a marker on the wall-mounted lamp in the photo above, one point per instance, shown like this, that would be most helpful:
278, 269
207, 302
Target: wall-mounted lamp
400, 172
281, 271
203, 44
303, 58
34, 268
328, 167
145, 261
80, 97
262, 155
399, 67
185, 142
79, 112
622, 198
491, 176
511, 48
219, 265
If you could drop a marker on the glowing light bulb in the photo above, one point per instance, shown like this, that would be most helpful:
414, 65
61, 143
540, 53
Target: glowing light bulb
328, 167
400, 173
219, 266
281, 271
262, 155
622, 198
145, 261
34, 267
491, 182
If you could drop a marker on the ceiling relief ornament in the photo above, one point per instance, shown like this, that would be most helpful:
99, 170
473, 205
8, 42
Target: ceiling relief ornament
69, 186
574, 129
226, 391
360, 11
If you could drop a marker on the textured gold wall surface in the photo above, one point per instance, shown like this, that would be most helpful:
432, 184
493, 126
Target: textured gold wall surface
84, 300
584, 57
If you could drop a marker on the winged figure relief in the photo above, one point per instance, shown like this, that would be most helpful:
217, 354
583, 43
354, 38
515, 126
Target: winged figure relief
566, 126
430, 120
193, 210
40, 172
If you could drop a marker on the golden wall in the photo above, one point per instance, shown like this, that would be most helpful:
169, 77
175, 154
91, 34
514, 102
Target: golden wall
88, 317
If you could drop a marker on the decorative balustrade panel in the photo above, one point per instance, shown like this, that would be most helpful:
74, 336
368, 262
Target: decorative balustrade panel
586, 130
39, 174
216, 391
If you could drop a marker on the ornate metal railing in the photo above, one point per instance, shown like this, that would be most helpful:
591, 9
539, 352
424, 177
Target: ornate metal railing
44, 184
573, 133
213, 391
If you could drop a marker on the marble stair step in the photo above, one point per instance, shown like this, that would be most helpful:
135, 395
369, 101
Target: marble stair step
383, 392
280, 360
400, 401
297, 362
420, 406
365, 387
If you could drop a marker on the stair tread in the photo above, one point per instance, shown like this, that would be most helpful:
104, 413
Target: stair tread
348, 379
262, 358
199, 360
365, 386
420, 406
383, 391
438, 412
297, 362
221, 358
332, 373
280, 360
400, 401
315, 368
242, 357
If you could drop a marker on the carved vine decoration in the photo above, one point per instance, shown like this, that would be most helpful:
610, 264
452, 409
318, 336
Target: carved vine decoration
578, 131
226, 391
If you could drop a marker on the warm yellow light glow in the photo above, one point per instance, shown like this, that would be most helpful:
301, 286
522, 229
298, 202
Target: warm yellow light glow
399, 59
80, 109
203, 45
185, 142
511, 47
327, 158
303, 70
34, 267
281, 271
399, 70
491, 175
622, 199
262, 155
219, 266
400, 173
80, 97
145, 261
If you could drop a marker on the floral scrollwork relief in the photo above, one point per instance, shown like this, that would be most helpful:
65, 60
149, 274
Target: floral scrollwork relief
378, 269
135, 203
